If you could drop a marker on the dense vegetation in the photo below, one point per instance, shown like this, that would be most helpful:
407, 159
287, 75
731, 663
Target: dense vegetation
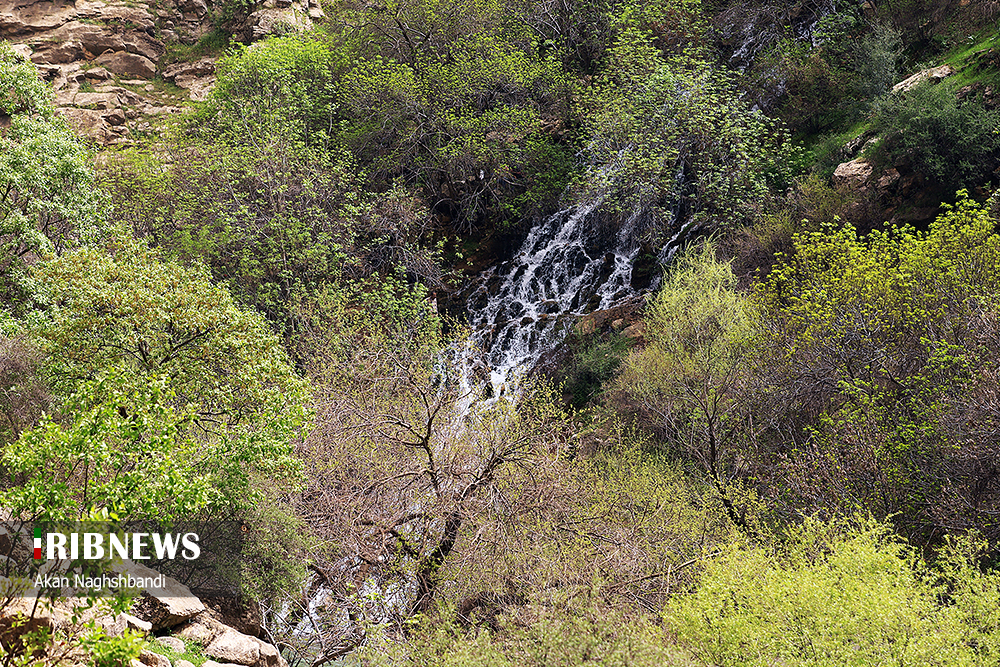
795, 463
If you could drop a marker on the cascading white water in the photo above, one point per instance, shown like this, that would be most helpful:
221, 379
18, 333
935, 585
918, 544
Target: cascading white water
559, 273
569, 265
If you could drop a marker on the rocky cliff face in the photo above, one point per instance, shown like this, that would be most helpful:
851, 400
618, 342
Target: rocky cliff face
111, 62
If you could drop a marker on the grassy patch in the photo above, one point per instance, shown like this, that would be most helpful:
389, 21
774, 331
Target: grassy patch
214, 43
192, 652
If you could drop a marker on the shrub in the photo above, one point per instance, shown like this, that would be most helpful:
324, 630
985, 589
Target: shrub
956, 144
832, 594
876, 355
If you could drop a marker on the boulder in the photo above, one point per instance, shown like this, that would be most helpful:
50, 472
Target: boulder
933, 75
125, 15
20, 616
236, 647
142, 44
96, 100
94, 39
115, 117
99, 74
191, 70
852, 175
88, 122
128, 64
278, 20
230, 646
114, 626
173, 643
65, 52
151, 659
197, 77
637, 330
162, 607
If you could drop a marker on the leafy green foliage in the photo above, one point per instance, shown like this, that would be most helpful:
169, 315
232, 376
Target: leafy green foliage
958, 145
464, 119
688, 380
457, 108
830, 81
281, 85
127, 451
833, 594
23, 91
669, 135
286, 227
123, 311
888, 337
592, 364
47, 198
110, 651
572, 633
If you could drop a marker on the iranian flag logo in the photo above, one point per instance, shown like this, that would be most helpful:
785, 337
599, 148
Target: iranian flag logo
38, 542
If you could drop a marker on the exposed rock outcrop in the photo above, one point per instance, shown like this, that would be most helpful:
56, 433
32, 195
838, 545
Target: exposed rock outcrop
853, 175
82, 46
933, 75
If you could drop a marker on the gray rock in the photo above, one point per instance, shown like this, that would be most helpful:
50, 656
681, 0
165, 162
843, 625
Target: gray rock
933, 75
151, 659
173, 643
128, 64
163, 607
96, 100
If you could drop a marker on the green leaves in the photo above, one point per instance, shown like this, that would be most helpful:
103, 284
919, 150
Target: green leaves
47, 197
127, 450
282, 85
833, 594
22, 92
669, 134
124, 313
955, 144
887, 341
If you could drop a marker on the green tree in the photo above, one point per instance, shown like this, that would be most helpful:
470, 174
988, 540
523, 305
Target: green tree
122, 311
48, 201
689, 379
668, 137
127, 451
830, 594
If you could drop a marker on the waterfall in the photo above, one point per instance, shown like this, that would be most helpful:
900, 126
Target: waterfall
572, 263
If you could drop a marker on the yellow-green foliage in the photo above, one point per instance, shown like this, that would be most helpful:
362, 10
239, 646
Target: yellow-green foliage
576, 633
687, 379
893, 287
840, 593
124, 314
696, 326
873, 342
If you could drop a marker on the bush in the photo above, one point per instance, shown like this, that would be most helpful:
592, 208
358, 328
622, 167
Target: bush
832, 594
875, 355
958, 145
